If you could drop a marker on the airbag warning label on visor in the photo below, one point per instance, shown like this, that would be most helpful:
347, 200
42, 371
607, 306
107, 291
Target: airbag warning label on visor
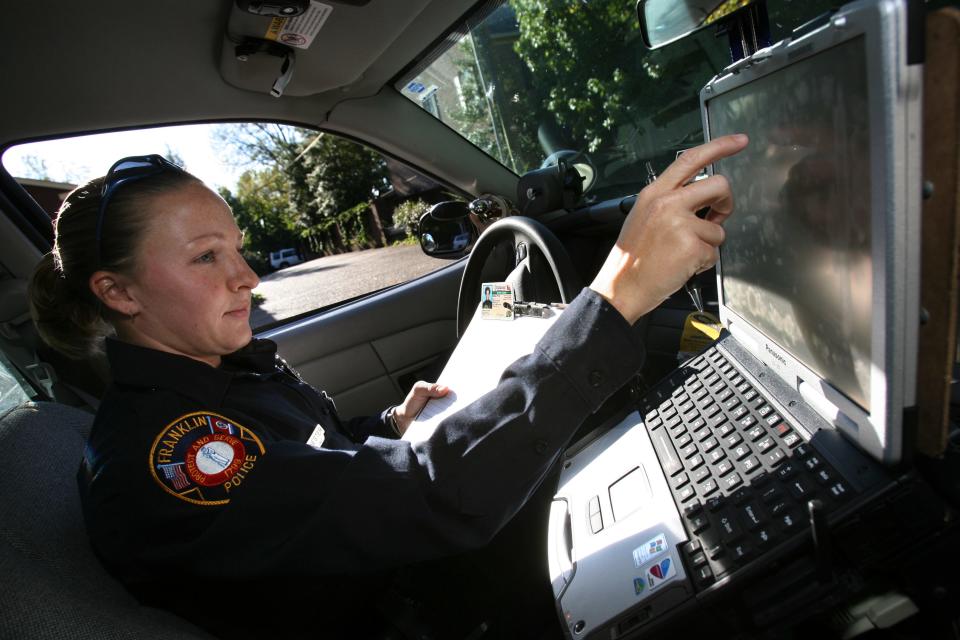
300, 31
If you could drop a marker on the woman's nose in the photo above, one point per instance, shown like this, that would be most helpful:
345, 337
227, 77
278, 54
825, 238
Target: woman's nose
243, 276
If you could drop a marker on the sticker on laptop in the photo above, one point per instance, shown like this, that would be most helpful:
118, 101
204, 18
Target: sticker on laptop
661, 572
496, 301
650, 549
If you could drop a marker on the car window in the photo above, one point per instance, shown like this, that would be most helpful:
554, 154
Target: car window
325, 219
533, 80
14, 389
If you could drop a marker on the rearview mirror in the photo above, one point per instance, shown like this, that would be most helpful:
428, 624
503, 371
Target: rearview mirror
446, 231
666, 21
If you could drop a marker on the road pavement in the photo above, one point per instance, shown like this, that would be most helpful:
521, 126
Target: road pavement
324, 281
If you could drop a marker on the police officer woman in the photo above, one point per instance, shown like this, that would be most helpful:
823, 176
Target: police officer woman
219, 484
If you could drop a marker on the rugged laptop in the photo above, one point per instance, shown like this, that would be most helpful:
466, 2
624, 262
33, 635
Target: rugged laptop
790, 420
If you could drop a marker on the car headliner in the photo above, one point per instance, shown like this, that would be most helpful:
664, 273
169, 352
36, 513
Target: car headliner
82, 67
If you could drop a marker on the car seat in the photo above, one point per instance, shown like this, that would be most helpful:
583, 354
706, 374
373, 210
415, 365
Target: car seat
54, 586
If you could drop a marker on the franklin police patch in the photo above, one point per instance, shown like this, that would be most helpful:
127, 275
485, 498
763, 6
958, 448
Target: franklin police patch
201, 457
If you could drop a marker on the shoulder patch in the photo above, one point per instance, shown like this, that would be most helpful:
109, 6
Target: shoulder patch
201, 457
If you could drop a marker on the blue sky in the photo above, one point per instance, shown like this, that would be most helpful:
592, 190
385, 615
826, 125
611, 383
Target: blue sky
79, 159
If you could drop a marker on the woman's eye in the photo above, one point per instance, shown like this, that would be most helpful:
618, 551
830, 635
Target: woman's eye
207, 257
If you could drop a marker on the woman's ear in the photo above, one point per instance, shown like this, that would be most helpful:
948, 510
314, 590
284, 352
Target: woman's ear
111, 289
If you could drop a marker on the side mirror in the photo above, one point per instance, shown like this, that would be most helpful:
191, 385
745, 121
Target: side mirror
666, 21
446, 231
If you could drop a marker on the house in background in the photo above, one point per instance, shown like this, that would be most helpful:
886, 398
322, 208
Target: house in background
47, 193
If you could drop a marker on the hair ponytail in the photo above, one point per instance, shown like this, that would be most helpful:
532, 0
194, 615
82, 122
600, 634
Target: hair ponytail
66, 320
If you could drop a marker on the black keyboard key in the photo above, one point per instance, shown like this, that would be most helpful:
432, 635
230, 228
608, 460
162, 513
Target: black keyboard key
740, 496
686, 493
687, 407
701, 474
696, 423
803, 451
766, 444
739, 412
736, 380
733, 440
676, 392
716, 421
716, 456
771, 493
708, 487
698, 559
695, 461
700, 393
684, 440
726, 429
699, 363
689, 450
691, 547
823, 476
749, 394
692, 384
697, 522
680, 480
725, 395
714, 504
715, 552
751, 515
750, 465
666, 404
724, 467
764, 410
763, 537
775, 457
704, 576
732, 403
743, 387
772, 419
747, 421
741, 551
703, 434
731, 482
839, 490
728, 527
792, 439
653, 420
709, 444
755, 433
712, 379
741, 451
781, 430
712, 410
669, 460
673, 421
812, 463
787, 471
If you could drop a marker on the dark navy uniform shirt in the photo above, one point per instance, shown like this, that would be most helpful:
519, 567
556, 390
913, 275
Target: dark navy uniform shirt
203, 486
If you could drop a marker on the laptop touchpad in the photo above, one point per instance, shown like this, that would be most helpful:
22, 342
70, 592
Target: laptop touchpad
629, 493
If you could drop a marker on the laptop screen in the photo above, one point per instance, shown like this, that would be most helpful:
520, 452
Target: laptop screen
797, 263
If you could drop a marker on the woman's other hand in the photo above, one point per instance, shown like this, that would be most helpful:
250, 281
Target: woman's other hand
418, 396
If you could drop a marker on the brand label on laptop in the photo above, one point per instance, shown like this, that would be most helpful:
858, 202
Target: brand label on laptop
650, 549
661, 572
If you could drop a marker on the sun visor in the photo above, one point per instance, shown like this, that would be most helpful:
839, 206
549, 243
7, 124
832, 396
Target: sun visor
328, 46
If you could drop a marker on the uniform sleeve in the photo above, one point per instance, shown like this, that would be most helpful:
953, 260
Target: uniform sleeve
387, 503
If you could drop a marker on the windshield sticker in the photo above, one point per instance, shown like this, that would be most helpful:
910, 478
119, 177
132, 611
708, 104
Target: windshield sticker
649, 550
300, 31
201, 457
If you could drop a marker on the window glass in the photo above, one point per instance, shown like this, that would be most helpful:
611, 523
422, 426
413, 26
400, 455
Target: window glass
325, 219
14, 390
533, 80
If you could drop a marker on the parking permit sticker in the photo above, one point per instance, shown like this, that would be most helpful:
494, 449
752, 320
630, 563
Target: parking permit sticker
648, 550
496, 301
300, 31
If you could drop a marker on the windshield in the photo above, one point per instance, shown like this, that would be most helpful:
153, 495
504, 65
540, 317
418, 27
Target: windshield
528, 81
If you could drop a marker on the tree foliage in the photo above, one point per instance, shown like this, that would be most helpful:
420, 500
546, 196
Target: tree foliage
304, 189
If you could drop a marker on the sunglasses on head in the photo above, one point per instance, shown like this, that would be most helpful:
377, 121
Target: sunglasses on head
125, 171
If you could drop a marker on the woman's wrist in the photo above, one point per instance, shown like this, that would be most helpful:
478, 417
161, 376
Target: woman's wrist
393, 420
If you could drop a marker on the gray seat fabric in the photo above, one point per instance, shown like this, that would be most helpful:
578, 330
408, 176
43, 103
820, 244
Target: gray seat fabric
52, 584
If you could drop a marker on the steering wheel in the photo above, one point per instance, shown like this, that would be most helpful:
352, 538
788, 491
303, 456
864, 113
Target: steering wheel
521, 251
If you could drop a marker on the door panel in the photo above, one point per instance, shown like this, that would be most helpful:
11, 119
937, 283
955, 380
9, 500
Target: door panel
364, 353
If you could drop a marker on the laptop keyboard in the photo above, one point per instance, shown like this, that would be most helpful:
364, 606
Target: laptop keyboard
740, 475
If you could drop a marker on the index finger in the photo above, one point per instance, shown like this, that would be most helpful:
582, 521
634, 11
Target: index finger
692, 161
